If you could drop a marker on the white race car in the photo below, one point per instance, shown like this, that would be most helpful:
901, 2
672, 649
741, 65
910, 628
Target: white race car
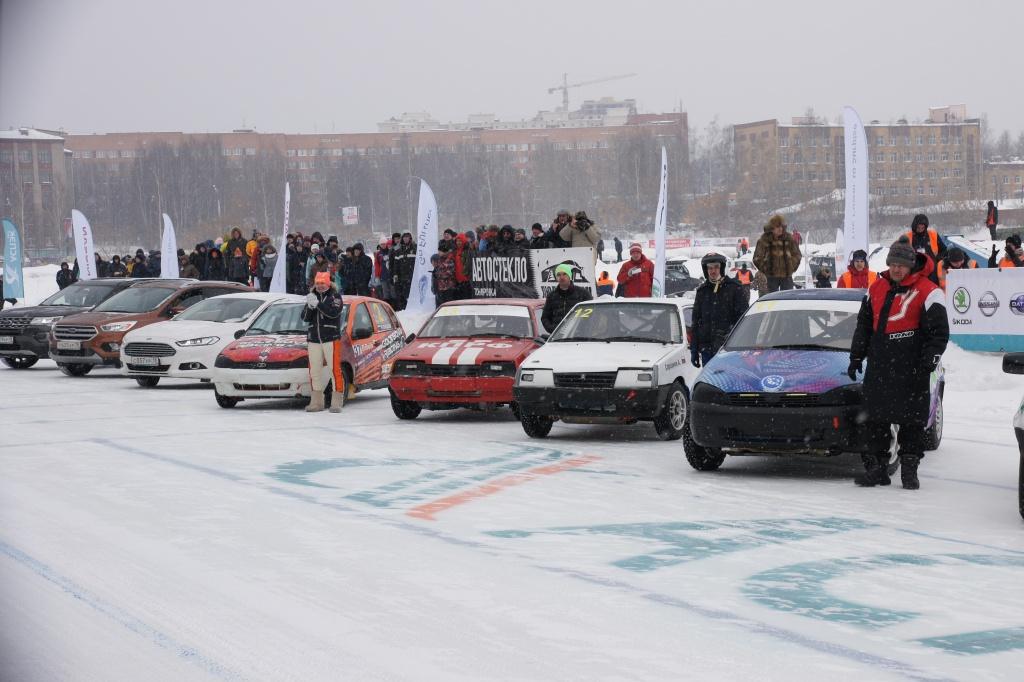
187, 346
611, 361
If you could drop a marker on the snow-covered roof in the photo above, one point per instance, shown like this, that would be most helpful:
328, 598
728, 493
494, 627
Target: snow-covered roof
28, 134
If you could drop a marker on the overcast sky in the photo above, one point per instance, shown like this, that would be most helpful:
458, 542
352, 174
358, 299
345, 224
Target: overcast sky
303, 66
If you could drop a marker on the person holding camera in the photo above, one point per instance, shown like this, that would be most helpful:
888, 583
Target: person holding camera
581, 231
323, 342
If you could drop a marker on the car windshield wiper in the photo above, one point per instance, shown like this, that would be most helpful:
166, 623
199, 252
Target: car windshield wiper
496, 334
292, 331
639, 339
252, 331
576, 338
803, 346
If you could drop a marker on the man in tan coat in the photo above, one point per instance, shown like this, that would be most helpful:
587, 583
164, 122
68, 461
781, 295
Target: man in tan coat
777, 255
581, 232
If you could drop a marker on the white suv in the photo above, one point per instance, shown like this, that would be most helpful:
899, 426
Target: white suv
1013, 363
611, 361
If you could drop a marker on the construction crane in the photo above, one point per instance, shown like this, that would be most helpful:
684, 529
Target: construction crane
564, 87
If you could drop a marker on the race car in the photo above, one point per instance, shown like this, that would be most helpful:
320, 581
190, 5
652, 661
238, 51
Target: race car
779, 384
1013, 363
466, 355
611, 361
186, 346
269, 360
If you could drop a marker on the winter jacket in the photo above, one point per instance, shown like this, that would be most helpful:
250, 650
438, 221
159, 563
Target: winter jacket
573, 237
1013, 257
717, 307
540, 242
313, 267
776, 257
268, 261
236, 242
605, 286
65, 278
558, 304
188, 271
118, 270
945, 267
618, 246
357, 272
553, 236
238, 268
140, 269
637, 278
325, 320
216, 269
856, 279
901, 332
992, 216
402, 263
296, 264
822, 281
444, 273
463, 259
929, 244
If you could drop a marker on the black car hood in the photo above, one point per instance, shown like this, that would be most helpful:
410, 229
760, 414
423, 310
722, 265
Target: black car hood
44, 311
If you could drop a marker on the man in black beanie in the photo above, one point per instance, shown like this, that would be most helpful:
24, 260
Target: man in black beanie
902, 331
924, 239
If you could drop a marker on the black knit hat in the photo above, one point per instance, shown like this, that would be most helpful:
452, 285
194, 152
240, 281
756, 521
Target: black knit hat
1014, 239
859, 254
918, 220
450, 232
901, 253
537, 226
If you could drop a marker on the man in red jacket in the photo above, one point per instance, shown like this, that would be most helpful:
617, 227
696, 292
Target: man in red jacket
637, 274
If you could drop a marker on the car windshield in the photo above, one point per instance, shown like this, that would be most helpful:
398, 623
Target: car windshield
643, 322
794, 325
283, 318
136, 300
221, 309
81, 295
478, 320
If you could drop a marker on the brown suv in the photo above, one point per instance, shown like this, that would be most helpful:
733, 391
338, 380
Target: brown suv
80, 342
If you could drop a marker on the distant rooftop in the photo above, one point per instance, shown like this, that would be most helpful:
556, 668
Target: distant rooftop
29, 134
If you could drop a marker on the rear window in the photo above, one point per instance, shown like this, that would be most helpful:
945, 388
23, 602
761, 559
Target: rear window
81, 294
136, 300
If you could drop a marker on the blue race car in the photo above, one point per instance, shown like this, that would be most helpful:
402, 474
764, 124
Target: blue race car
779, 384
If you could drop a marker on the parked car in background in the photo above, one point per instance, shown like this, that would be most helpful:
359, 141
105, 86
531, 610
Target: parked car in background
779, 385
83, 341
187, 346
466, 355
25, 332
610, 361
269, 359
1013, 363
678, 279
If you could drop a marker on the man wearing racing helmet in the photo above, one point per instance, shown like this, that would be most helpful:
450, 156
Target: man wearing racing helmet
718, 305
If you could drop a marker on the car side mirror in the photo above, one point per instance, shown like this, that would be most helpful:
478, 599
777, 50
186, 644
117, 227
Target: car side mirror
175, 310
544, 336
410, 338
239, 333
361, 333
1013, 363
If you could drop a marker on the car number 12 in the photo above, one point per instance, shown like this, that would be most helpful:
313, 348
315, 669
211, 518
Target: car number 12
583, 312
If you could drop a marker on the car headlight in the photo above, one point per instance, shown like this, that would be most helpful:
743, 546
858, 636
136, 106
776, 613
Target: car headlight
498, 369
408, 368
45, 320
704, 392
526, 377
118, 326
201, 341
636, 378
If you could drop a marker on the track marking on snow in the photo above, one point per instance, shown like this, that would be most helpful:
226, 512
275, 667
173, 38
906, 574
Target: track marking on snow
428, 510
118, 615
742, 622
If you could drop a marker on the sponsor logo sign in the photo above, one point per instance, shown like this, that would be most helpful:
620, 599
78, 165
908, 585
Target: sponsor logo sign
772, 382
961, 300
988, 304
1017, 304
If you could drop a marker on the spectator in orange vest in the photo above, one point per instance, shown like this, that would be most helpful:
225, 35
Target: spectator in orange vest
744, 276
924, 239
955, 260
992, 219
857, 275
637, 274
1013, 256
605, 284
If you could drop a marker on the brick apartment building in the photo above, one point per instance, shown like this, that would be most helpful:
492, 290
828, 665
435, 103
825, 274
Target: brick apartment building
34, 184
939, 159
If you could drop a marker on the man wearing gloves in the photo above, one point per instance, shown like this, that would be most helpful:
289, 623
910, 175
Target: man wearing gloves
718, 305
902, 331
323, 342
637, 274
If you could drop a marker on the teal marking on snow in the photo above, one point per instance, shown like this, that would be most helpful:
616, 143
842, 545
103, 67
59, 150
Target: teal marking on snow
455, 475
299, 472
800, 588
680, 544
975, 643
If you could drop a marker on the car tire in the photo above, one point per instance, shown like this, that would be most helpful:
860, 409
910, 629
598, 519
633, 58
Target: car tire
700, 457
933, 434
225, 401
669, 424
147, 382
74, 369
20, 363
405, 409
536, 426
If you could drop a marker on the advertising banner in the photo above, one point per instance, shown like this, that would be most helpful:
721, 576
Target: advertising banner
279, 279
421, 297
674, 243
530, 273
83, 246
350, 215
855, 217
985, 308
14, 283
168, 251
658, 287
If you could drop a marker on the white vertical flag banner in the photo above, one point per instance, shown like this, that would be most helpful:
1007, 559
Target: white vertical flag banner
83, 246
658, 289
855, 219
169, 251
421, 298
279, 281
841, 262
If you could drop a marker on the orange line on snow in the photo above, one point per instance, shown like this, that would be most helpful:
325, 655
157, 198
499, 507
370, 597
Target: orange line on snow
428, 510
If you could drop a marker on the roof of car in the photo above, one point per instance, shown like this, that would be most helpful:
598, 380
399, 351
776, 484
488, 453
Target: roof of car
171, 283
815, 295
263, 296
532, 302
606, 300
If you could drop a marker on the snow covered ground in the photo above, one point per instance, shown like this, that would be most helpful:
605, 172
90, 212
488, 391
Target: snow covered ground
149, 534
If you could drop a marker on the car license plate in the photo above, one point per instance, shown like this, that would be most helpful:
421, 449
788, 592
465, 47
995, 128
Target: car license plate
69, 345
7, 340
146, 362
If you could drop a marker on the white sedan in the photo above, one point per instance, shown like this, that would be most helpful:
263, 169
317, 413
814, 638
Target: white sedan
187, 346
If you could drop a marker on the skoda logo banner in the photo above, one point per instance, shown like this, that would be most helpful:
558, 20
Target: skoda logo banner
961, 300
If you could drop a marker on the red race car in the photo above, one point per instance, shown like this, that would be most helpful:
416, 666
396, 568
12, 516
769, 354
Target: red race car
269, 359
466, 355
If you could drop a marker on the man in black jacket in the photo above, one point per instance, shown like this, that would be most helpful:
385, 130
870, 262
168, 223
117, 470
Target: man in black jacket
562, 298
538, 241
358, 272
323, 343
401, 267
718, 305
65, 276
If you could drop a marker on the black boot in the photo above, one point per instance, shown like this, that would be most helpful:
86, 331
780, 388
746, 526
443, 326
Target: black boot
908, 471
874, 471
